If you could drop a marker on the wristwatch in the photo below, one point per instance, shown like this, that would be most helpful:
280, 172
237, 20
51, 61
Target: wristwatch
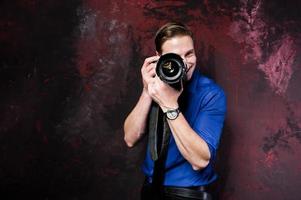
172, 114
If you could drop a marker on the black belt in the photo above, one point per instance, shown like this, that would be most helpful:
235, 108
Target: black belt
194, 193
171, 192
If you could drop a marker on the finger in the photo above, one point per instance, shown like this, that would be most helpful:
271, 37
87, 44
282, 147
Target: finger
150, 88
149, 76
182, 87
150, 61
158, 80
152, 72
157, 83
151, 67
148, 71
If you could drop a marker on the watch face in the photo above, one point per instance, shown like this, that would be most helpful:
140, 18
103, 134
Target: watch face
172, 114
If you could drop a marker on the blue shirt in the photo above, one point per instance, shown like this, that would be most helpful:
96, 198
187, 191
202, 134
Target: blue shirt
203, 103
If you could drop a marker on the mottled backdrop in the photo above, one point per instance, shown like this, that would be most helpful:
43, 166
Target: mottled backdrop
70, 73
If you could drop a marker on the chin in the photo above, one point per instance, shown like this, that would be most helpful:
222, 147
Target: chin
190, 72
188, 76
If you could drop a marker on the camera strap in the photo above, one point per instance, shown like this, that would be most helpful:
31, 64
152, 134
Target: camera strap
158, 132
159, 135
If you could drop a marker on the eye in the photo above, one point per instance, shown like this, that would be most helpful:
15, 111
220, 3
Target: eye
189, 54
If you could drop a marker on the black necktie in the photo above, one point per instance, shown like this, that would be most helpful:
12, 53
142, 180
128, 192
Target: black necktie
159, 134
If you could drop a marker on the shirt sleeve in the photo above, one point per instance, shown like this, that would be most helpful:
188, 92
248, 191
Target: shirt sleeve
210, 119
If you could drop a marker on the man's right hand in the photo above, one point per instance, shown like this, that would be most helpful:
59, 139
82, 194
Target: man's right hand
148, 71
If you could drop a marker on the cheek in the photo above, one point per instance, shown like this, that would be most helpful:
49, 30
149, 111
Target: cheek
191, 60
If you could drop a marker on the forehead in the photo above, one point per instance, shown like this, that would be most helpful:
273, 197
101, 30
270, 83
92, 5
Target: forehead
178, 44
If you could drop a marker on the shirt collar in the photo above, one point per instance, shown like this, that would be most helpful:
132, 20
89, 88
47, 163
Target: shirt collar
192, 83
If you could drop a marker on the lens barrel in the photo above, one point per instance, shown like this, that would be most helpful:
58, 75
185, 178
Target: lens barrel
171, 69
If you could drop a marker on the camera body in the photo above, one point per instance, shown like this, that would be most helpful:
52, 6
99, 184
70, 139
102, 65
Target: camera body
171, 69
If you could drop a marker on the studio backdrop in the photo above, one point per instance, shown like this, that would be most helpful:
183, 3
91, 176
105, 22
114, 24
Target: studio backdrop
70, 74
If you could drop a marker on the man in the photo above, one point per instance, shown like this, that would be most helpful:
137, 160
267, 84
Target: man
196, 129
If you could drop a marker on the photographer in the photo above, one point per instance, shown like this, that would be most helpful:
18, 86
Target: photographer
194, 113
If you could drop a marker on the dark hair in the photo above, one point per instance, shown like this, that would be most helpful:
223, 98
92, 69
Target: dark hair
169, 31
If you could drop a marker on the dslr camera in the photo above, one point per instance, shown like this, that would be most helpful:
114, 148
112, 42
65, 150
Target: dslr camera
172, 70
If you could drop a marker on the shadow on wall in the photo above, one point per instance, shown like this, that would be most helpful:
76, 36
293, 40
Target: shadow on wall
223, 164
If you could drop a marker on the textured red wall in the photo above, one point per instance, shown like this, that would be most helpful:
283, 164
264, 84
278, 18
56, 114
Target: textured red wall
70, 73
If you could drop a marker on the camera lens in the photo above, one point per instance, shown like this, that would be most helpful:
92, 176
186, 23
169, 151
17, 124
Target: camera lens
171, 68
